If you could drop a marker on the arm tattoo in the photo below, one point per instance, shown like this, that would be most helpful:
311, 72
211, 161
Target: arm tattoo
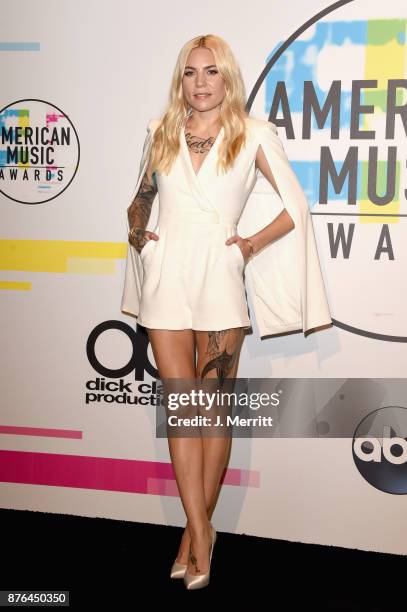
139, 211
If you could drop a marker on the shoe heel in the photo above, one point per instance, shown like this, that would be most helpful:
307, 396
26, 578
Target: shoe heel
192, 581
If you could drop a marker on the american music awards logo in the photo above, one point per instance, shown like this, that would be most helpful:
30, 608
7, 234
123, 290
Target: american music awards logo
337, 91
39, 151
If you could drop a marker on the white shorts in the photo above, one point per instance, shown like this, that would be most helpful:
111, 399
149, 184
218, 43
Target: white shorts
191, 278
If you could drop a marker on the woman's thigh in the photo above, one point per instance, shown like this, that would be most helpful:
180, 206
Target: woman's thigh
174, 352
218, 352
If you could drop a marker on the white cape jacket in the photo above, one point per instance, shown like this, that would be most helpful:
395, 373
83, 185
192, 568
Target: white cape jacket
284, 279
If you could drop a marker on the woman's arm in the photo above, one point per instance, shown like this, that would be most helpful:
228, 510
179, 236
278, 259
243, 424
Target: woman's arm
283, 223
138, 213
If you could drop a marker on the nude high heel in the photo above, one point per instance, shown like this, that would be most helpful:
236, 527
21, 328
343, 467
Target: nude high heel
178, 570
193, 581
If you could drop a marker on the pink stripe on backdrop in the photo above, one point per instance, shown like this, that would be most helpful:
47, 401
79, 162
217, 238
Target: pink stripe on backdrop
103, 473
41, 431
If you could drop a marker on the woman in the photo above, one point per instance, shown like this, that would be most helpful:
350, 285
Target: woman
184, 277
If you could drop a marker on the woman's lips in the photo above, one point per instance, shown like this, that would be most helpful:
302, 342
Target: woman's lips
201, 96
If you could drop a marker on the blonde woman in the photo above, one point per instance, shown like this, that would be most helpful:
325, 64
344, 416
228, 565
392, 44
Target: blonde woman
185, 275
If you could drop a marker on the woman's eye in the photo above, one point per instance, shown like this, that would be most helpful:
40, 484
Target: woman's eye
211, 71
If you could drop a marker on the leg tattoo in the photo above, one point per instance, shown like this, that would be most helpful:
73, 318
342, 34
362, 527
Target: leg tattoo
219, 358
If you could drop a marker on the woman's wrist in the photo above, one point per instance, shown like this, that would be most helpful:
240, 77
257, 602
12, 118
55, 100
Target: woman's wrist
251, 245
137, 237
133, 231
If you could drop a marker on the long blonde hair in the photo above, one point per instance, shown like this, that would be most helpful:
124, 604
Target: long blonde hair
166, 144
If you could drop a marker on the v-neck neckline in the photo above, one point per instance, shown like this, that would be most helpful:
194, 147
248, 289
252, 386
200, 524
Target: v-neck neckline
185, 145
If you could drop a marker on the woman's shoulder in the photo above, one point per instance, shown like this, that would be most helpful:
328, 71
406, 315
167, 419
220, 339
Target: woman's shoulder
153, 124
257, 125
253, 123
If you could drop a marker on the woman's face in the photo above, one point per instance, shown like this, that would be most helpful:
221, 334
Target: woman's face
201, 76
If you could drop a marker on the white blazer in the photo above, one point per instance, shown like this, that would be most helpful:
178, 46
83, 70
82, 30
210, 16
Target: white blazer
284, 279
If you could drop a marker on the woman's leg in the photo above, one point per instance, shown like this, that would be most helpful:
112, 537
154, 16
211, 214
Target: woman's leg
174, 354
218, 358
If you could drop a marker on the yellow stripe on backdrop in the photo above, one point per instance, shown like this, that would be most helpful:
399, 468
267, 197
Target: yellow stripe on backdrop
74, 257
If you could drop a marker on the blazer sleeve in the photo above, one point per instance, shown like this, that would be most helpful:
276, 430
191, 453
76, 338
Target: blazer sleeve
291, 193
144, 157
133, 277
298, 249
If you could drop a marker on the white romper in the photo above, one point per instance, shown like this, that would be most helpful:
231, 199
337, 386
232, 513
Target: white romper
190, 278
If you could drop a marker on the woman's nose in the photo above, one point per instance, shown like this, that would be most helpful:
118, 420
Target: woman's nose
200, 80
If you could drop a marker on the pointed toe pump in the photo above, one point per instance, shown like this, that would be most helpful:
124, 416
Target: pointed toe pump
178, 570
192, 581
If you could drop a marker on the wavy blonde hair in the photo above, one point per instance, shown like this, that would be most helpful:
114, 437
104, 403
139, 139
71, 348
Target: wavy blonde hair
166, 144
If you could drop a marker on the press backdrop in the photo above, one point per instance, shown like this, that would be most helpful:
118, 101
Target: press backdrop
72, 365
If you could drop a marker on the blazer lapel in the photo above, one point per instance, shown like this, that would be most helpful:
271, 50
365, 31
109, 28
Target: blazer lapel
199, 183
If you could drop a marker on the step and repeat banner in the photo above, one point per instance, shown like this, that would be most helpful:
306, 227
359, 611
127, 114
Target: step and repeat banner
78, 416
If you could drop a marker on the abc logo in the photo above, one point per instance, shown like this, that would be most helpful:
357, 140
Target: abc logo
380, 449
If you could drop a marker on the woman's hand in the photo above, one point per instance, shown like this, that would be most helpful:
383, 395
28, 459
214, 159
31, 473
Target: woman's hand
243, 245
139, 237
